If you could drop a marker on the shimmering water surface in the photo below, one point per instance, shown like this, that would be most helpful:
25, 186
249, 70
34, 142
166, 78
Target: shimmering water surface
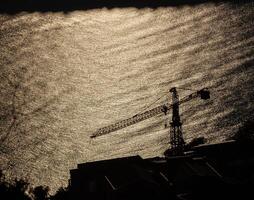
65, 75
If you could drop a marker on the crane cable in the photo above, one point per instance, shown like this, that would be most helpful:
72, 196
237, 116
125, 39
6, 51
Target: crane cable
148, 106
181, 88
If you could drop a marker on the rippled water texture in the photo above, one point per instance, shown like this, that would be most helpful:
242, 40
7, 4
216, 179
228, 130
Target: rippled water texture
65, 75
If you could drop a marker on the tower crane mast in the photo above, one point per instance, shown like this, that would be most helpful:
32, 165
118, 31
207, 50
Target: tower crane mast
175, 134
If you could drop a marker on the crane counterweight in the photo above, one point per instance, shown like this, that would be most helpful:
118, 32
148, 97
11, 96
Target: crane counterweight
204, 94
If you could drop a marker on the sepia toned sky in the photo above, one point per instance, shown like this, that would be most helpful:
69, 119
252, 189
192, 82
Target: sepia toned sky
64, 75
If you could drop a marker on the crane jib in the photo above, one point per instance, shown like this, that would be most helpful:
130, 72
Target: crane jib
130, 121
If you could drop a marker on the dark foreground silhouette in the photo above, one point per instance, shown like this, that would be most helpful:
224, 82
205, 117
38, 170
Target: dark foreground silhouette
15, 6
206, 171
20, 189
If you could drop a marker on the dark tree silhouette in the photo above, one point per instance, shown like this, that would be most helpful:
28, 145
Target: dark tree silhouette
41, 192
195, 142
61, 194
245, 132
18, 190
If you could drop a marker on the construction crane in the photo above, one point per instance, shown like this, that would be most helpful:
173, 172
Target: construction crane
176, 136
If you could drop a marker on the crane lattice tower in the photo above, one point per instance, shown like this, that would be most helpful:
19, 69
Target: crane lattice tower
176, 134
